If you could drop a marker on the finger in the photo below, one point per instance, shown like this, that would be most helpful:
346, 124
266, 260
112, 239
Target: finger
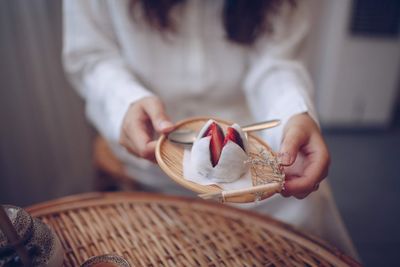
288, 192
293, 139
319, 160
156, 111
138, 135
149, 152
144, 150
285, 193
128, 144
305, 184
302, 196
316, 187
315, 171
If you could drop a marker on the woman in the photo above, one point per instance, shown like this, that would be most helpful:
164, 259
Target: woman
140, 65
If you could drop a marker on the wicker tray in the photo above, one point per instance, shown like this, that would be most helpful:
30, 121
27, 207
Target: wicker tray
170, 156
154, 230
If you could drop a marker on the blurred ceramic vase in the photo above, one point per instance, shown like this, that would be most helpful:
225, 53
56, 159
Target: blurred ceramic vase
41, 242
106, 260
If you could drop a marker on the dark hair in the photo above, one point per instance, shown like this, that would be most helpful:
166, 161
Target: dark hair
243, 20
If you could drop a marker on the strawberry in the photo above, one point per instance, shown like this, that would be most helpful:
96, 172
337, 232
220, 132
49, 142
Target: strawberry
216, 142
234, 136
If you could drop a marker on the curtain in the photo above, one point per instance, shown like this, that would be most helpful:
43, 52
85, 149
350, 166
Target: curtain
45, 141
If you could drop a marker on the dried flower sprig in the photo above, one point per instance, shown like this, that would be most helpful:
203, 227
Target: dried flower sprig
265, 168
267, 178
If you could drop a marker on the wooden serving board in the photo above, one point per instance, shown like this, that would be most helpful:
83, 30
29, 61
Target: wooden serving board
170, 156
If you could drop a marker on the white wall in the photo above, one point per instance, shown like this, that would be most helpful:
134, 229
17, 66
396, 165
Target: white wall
356, 78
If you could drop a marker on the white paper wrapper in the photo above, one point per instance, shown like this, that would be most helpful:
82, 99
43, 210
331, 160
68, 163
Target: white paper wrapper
191, 174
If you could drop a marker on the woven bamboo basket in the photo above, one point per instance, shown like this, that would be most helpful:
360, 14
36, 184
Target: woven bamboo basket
170, 157
154, 230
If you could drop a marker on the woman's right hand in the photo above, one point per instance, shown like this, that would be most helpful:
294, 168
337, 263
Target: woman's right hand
143, 120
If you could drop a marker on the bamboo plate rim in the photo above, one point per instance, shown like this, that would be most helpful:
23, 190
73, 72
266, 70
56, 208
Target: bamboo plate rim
195, 187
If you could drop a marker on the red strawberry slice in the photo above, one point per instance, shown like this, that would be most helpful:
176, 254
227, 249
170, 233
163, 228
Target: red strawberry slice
216, 142
234, 136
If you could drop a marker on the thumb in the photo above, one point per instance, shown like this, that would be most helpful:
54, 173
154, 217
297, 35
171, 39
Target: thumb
292, 141
156, 111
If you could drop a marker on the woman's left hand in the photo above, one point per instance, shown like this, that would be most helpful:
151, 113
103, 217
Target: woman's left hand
304, 155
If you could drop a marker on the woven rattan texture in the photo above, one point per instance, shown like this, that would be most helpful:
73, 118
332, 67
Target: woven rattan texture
152, 231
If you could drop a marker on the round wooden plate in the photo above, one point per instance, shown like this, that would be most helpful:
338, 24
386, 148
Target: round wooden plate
170, 155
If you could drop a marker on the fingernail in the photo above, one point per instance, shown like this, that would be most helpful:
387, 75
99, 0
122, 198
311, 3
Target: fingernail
165, 125
284, 193
284, 158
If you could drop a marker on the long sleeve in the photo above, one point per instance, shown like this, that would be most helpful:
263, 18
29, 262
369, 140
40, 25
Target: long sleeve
95, 67
277, 84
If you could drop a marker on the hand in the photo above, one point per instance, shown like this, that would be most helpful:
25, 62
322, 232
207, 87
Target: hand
143, 120
304, 155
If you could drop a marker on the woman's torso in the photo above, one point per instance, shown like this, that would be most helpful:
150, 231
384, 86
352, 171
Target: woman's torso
196, 70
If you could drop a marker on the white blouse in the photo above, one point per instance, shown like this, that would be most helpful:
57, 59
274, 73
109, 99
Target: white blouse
114, 60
